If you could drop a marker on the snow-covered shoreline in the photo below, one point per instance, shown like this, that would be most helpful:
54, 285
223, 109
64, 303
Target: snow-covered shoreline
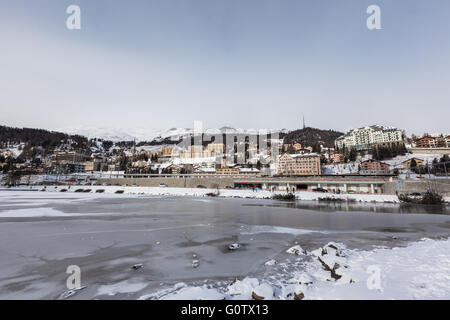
198, 192
420, 270
223, 193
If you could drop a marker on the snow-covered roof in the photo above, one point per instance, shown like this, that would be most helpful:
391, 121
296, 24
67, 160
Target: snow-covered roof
203, 169
300, 155
194, 160
248, 170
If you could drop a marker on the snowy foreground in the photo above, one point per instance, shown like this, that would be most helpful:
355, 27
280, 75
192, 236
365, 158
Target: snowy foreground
419, 271
197, 192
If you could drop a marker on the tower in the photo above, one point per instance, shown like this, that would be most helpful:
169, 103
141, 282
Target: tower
133, 150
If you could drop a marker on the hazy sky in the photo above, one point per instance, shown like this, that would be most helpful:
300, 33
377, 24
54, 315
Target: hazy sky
159, 64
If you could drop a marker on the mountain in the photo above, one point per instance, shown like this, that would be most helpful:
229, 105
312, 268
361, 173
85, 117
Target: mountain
313, 136
111, 134
307, 136
130, 134
146, 135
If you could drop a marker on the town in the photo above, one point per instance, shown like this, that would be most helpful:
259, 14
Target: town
372, 159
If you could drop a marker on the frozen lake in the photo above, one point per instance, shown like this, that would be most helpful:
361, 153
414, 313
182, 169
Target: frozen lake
42, 233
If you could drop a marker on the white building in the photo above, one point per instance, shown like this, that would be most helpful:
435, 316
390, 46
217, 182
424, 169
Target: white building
363, 138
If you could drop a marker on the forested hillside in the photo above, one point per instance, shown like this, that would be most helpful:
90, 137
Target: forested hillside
312, 136
38, 137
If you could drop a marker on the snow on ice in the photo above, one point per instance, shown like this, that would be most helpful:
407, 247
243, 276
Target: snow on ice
420, 270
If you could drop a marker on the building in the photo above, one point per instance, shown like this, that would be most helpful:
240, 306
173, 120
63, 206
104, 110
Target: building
89, 166
227, 170
285, 147
166, 153
407, 163
374, 167
62, 157
433, 142
366, 137
337, 158
173, 169
297, 146
6, 154
94, 165
198, 151
140, 164
204, 170
249, 171
293, 147
113, 168
426, 142
447, 141
442, 142
299, 165
215, 149
66, 168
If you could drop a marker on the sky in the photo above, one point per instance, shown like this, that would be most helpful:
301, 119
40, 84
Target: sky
159, 64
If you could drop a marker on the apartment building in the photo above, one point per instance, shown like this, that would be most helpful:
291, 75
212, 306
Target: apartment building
299, 164
63, 157
433, 142
364, 138
374, 167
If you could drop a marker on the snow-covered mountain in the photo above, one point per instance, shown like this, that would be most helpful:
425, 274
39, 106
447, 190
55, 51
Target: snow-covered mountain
145, 134
114, 134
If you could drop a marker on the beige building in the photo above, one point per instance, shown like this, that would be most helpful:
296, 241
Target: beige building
407, 163
215, 149
6, 154
250, 171
89, 166
195, 152
297, 146
62, 157
139, 164
166, 152
337, 158
227, 170
173, 169
299, 164
93, 165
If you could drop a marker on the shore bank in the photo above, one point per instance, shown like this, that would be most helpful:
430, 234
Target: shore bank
225, 193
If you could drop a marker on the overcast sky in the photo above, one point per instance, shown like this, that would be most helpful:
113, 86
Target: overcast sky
159, 64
